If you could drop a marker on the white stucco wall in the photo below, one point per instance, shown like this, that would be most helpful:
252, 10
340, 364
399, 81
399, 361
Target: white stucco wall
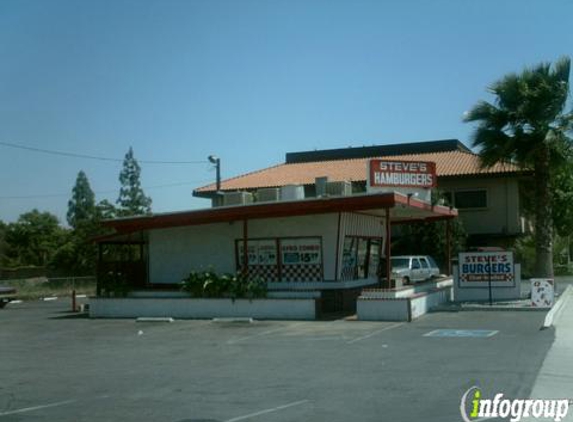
174, 252
501, 216
290, 309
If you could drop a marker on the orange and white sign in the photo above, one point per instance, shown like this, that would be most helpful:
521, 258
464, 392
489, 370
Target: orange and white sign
407, 174
542, 292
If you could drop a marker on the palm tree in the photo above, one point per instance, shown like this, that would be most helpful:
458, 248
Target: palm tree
527, 125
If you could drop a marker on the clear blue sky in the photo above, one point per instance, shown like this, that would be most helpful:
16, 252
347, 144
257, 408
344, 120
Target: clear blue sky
245, 80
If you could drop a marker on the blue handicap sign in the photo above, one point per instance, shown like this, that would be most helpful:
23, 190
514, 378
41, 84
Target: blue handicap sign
461, 333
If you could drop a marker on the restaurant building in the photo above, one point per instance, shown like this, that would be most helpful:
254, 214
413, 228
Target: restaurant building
320, 226
488, 199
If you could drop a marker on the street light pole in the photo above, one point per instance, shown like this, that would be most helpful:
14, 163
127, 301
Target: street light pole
217, 161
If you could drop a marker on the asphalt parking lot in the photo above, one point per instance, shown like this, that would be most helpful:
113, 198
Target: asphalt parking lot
55, 366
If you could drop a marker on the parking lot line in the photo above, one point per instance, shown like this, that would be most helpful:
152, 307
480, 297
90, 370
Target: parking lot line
264, 333
375, 332
31, 409
264, 412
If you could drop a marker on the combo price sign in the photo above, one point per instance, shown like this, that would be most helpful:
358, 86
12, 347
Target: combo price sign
407, 174
483, 267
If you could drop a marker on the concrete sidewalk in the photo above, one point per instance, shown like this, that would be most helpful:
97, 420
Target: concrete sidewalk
555, 378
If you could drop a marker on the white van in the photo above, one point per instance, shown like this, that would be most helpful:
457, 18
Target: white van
414, 268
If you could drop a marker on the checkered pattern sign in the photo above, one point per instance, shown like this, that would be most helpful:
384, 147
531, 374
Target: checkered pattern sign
300, 259
302, 273
266, 272
485, 277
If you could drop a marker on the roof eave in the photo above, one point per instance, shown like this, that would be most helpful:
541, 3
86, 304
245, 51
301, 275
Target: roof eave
276, 209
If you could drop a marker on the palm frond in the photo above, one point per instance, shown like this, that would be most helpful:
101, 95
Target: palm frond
562, 69
487, 114
493, 145
527, 117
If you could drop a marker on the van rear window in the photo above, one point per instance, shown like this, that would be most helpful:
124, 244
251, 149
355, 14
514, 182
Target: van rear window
400, 263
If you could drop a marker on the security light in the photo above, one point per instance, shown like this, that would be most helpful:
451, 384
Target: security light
213, 159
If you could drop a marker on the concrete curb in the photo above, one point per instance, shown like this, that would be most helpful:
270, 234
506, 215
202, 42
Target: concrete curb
486, 308
553, 313
154, 319
246, 320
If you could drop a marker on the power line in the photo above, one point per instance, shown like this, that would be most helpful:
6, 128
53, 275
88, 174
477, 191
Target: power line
92, 157
102, 192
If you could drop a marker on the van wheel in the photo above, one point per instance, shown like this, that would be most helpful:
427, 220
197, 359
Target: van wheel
406, 281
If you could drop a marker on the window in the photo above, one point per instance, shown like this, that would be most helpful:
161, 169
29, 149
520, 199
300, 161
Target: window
399, 263
471, 199
283, 259
467, 199
415, 263
360, 258
424, 263
374, 257
432, 262
449, 200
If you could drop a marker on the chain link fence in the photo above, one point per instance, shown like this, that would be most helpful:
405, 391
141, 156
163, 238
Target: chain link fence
42, 287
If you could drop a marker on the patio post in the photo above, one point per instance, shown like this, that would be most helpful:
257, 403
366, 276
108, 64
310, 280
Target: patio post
388, 250
449, 246
245, 248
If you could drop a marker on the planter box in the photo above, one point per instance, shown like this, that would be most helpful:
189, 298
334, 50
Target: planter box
408, 291
298, 309
402, 308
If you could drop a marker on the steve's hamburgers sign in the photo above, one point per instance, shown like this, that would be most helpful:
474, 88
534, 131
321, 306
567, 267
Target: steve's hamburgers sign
406, 174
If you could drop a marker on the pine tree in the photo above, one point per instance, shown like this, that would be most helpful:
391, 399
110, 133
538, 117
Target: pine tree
132, 199
81, 208
3, 244
106, 210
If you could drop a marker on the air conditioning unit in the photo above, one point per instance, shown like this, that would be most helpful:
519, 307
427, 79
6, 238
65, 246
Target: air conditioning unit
217, 201
292, 192
320, 186
237, 198
268, 194
343, 188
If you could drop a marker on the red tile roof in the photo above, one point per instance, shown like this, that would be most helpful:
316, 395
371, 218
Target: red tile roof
449, 163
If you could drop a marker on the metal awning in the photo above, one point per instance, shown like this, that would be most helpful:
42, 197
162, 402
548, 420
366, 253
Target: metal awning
400, 208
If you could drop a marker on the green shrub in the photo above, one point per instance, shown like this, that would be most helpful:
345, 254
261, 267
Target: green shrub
210, 285
525, 254
114, 283
193, 284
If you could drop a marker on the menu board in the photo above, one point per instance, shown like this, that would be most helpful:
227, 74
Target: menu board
301, 251
260, 252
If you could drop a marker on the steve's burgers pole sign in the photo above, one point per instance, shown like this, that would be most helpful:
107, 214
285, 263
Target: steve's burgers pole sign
485, 275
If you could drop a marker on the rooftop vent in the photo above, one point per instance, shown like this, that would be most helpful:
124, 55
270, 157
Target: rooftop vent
320, 183
343, 188
237, 198
292, 192
268, 194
